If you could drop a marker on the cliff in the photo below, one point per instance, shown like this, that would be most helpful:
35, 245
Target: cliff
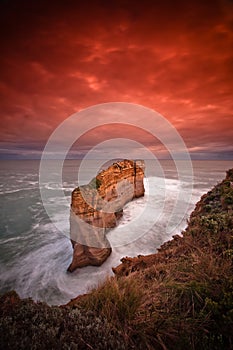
214, 208
96, 207
182, 296
179, 298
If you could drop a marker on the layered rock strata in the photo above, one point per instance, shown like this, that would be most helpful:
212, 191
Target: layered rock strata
96, 207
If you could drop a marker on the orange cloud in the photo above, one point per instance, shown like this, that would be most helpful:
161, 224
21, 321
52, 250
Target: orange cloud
175, 58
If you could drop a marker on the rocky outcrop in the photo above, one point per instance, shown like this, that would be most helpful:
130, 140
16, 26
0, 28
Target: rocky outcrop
96, 207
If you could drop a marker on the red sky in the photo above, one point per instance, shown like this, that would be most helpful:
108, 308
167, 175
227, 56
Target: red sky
59, 57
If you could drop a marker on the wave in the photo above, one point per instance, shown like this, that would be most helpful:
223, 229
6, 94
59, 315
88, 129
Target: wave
39, 258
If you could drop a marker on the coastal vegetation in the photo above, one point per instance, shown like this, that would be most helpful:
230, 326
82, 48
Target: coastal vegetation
178, 298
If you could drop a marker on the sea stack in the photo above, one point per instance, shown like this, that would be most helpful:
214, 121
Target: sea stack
96, 207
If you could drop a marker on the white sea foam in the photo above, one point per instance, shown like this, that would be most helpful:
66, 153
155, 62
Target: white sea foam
34, 257
43, 269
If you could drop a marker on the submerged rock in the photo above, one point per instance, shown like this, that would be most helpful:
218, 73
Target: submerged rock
96, 208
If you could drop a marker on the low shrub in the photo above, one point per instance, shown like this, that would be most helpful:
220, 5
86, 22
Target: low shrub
29, 325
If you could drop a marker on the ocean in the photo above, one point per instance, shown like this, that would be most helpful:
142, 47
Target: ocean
35, 250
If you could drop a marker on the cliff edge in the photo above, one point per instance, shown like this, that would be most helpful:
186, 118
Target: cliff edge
182, 296
179, 298
96, 207
211, 213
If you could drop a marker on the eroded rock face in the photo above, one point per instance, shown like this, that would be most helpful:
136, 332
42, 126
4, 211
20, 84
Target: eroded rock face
96, 207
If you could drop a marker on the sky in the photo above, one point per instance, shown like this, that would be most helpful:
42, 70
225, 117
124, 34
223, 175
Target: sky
61, 57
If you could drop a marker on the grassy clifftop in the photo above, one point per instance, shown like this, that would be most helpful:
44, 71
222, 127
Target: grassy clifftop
179, 298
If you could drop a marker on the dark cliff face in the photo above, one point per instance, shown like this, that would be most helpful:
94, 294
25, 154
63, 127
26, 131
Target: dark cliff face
96, 207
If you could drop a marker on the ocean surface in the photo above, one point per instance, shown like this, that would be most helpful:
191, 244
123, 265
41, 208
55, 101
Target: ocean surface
35, 250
